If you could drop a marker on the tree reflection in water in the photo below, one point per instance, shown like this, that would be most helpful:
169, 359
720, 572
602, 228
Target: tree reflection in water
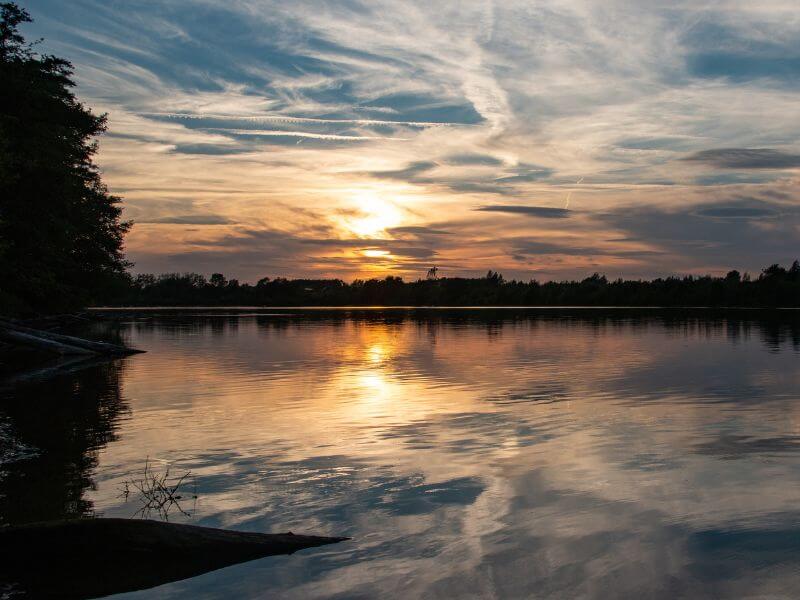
64, 422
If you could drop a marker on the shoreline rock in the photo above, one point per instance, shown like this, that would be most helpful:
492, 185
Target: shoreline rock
88, 558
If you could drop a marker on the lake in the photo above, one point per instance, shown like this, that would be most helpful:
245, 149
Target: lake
468, 453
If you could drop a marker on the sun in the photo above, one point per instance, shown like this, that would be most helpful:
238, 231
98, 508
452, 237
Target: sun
375, 253
376, 215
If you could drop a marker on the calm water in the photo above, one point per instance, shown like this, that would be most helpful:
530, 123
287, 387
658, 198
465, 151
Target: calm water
469, 454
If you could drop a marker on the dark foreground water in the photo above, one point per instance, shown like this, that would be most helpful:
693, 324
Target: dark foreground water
484, 454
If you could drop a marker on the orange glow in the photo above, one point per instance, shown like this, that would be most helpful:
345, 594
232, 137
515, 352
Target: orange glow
371, 253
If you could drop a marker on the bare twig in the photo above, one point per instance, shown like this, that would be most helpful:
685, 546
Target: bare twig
159, 495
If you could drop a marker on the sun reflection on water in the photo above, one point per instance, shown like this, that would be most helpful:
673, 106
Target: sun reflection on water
452, 449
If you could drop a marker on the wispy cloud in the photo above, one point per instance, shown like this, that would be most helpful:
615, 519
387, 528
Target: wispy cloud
190, 220
544, 212
293, 120
746, 158
280, 116
302, 134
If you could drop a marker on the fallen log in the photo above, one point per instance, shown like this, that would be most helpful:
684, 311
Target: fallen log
88, 558
69, 340
40, 343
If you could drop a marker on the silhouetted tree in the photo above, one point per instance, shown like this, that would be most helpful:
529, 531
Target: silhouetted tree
776, 286
218, 280
60, 230
494, 277
775, 271
794, 271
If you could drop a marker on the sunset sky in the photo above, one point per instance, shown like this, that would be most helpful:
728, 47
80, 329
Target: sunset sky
352, 139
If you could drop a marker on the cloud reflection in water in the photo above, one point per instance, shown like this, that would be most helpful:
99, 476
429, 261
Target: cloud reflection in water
498, 454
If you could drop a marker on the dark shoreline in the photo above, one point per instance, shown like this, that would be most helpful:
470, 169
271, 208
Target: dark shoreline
93, 557
745, 312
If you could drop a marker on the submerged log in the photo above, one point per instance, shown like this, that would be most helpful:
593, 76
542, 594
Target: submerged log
88, 558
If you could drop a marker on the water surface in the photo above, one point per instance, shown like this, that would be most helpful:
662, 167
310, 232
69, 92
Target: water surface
510, 454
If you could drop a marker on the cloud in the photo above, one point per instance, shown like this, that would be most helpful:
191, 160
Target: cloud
284, 129
416, 230
720, 50
287, 244
473, 160
280, 119
210, 149
279, 133
428, 108
734, 178
525, 173
654, 143
742, 233
198, 219
523, 248
487, 187
737, 212
742, 66
746, 158
435, 109
487, 180
543, 212
408, 173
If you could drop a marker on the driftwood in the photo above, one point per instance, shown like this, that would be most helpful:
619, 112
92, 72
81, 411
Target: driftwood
88, 558
19, 338
55, 342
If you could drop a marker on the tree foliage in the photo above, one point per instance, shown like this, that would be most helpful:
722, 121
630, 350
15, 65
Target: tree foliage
776, 286
61, 237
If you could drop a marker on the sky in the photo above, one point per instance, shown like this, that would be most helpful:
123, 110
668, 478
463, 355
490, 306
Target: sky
352, 139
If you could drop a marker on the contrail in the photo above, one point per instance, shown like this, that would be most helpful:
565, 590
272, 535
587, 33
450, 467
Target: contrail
289, 119
569, 195
301, 134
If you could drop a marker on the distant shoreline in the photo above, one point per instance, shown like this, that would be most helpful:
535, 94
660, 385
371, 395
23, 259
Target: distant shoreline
775, 286
439, 308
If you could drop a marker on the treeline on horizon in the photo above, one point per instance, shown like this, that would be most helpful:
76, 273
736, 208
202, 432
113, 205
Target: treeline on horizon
775, 286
